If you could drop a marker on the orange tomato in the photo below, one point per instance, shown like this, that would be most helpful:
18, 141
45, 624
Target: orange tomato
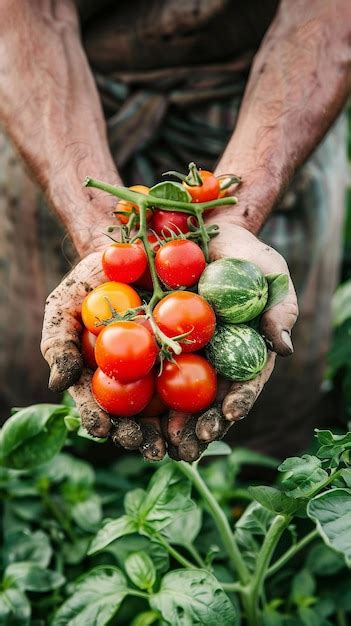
97, 305
124, 205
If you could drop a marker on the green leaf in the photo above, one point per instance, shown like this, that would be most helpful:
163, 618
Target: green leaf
217, 448
112, 530
67, 467
133, 501
141, 570
82, 432
72, 423
167, 496
14, 608
256, 519
303, 586
28, 546
270, 617
185, 528
310, 617
278, 289
170, 191
243, 456
339, 353
30, 577
95, 599
341, 304
323, 561
33, 436
146, 618
123, 547
302, 475
332, 446
88, 513
273, 499
331, 511
193, 597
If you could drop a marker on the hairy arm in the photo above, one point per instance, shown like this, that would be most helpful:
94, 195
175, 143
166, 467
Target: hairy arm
50, 107
299, 82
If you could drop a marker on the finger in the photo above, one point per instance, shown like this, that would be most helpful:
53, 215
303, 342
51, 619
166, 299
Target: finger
173, 452
94, 419
242, 395
175, 425
277, 323
153, 446
190, 447
126, 432
60, 343
210, 425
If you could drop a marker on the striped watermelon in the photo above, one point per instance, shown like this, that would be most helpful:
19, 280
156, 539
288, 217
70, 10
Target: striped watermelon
237, 352
237, 290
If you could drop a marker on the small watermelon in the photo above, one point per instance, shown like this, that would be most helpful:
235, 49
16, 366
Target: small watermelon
237, 290
237, 352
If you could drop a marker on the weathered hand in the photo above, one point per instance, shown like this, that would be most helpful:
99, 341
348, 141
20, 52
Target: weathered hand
61, 348
191, 435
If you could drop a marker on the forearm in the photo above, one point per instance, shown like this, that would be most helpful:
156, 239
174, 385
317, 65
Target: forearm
299, 82
50, 107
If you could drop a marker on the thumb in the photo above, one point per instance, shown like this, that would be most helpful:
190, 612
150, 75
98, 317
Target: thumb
277, 323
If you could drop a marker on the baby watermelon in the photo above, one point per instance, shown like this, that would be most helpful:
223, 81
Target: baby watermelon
237, 352
237, 290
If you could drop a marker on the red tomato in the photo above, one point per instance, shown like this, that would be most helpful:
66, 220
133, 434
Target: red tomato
155, 408
126, 351
189, 384
124, 205
209, 190
96, 306
164, 221
180, 263
124, 262
87, 342
184, 311
122, 399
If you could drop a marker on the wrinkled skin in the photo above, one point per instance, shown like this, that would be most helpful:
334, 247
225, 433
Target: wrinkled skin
186, 435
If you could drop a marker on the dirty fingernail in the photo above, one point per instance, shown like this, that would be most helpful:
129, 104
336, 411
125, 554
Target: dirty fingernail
287, 340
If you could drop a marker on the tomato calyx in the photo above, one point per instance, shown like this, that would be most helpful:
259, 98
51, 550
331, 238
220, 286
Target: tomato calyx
192, 179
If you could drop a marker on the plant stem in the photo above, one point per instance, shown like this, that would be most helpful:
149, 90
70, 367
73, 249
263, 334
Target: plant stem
234, 587
173, 552
138, 594
132, 196
254, 589
220, 520
289, 554
341, 617
196, 555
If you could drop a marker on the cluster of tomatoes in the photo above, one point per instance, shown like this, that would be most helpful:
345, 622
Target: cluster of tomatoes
123, 340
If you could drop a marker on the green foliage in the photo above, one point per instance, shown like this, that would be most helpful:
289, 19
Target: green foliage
129, 544
278, 287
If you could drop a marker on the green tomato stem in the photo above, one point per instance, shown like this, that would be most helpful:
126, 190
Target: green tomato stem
289, 554
173, 552
219, 518
169, 205
196, 555
254, 589
138, 594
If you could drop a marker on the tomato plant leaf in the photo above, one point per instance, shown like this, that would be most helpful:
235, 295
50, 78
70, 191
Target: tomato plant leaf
217, 448
184, 529
303, 586
167, 496
146, 618
112, 530
28, 546
31, 577
273, 499
141, 570
278, 289
95, 599
331, 511
88, 513
256, 519
14, 607
170, 190
323, 561
243, 456
302, 475
123, 547
190, 597
133, 501
33, 436
332, 446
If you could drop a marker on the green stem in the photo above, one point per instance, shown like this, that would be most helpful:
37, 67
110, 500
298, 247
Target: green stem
341, 617
254, 589
232, 587
173, 552
289, 554
219, 518
196, 555
138, 594
132, 196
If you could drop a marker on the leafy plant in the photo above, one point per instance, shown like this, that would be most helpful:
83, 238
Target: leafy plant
182, 544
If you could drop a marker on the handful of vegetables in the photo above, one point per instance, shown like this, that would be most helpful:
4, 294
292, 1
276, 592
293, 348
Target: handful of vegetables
166, 321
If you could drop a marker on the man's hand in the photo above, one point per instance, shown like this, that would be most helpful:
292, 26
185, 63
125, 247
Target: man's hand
61, 348
190, 435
